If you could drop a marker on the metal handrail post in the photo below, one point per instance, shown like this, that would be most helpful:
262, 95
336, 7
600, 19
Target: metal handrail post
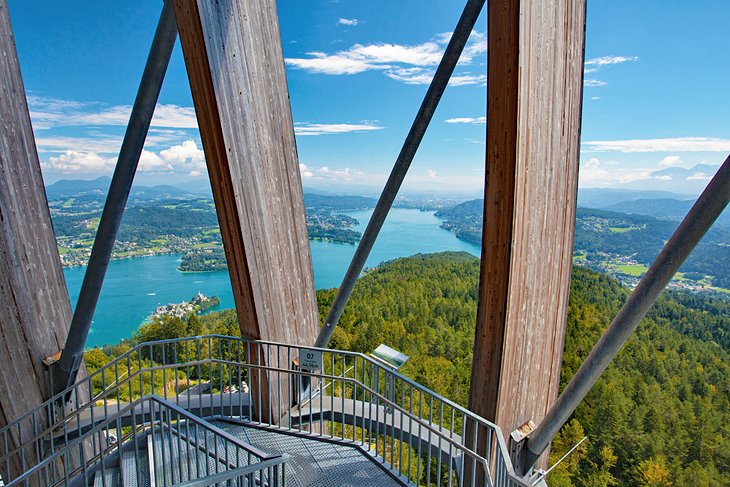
413, 140
64, 373
698, 221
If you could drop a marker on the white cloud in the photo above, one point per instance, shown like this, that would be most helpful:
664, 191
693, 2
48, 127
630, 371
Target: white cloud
672, 161
303, 129
59, 143
594, 173
174, 116
348, 22
49, 112
439, 182
81, 162
475, 121
607, 60
591, 171
594, 82
305, 171
184, 158
342, 174
468, 79
595, 98
677, 144
151, 162
334, 64
405, 63
421, 76
411, 76
184, 153
699, 176
327, 173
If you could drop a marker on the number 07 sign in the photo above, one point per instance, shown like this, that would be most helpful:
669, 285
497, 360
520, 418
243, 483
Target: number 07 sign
310, 359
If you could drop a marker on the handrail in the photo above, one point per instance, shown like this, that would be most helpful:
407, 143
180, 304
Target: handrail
114, 418
215, 479
218, 352
140, 347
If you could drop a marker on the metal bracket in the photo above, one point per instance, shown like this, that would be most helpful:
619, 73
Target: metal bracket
518, 448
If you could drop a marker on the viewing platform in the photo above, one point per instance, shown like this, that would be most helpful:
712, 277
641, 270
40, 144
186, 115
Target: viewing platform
218, 410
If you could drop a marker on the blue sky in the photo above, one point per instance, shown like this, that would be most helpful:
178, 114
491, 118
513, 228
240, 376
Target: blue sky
654, 115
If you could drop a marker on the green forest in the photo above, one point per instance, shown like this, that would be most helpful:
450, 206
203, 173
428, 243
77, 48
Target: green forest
659, 416
602, 235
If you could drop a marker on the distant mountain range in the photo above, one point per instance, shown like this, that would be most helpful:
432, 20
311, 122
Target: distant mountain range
96, 189
340, 203
677, 179
68, 188
659, 204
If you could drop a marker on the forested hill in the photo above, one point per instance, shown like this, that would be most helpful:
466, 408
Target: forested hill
660, 413
618, 241
659, 416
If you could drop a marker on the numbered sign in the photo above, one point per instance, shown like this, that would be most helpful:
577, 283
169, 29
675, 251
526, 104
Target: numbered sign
310, 360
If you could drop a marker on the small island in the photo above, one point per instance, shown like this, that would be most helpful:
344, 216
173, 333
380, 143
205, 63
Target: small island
197, 305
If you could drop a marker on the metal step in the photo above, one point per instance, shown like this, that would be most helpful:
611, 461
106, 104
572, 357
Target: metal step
135, 468
111, 477
176, 460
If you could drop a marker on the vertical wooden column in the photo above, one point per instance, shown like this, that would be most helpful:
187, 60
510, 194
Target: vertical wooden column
35, 311
534, 96
235, 64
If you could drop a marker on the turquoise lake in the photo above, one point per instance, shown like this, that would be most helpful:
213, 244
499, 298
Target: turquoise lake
133, 288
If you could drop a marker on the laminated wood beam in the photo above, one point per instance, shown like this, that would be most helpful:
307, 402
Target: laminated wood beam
35, 310
235, 64
534, 99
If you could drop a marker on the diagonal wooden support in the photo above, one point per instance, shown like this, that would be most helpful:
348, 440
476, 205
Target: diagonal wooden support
535, 72
235, 65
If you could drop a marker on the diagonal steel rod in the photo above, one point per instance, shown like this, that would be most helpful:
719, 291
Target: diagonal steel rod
116, 200
698, 221
443, 73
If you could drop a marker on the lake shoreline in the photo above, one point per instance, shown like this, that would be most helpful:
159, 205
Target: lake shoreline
135, 287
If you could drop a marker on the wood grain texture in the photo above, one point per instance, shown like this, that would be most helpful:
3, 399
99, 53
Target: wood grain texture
35, 311
235, 64
535, 73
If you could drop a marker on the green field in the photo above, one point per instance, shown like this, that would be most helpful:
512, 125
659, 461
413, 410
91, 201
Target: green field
632, 269
621, 229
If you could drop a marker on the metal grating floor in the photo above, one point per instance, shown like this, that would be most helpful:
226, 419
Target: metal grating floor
315, 463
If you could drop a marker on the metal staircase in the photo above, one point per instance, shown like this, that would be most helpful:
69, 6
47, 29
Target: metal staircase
190, 412
177, 456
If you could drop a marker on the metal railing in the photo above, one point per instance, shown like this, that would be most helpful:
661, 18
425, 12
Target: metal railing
164, 446
415, 434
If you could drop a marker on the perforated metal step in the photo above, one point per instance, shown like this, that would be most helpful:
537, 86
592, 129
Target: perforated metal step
312, 462
135, 468
111, 477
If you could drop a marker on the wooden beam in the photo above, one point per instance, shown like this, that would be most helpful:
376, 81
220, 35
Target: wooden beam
534, 99
235, 64
35, 311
